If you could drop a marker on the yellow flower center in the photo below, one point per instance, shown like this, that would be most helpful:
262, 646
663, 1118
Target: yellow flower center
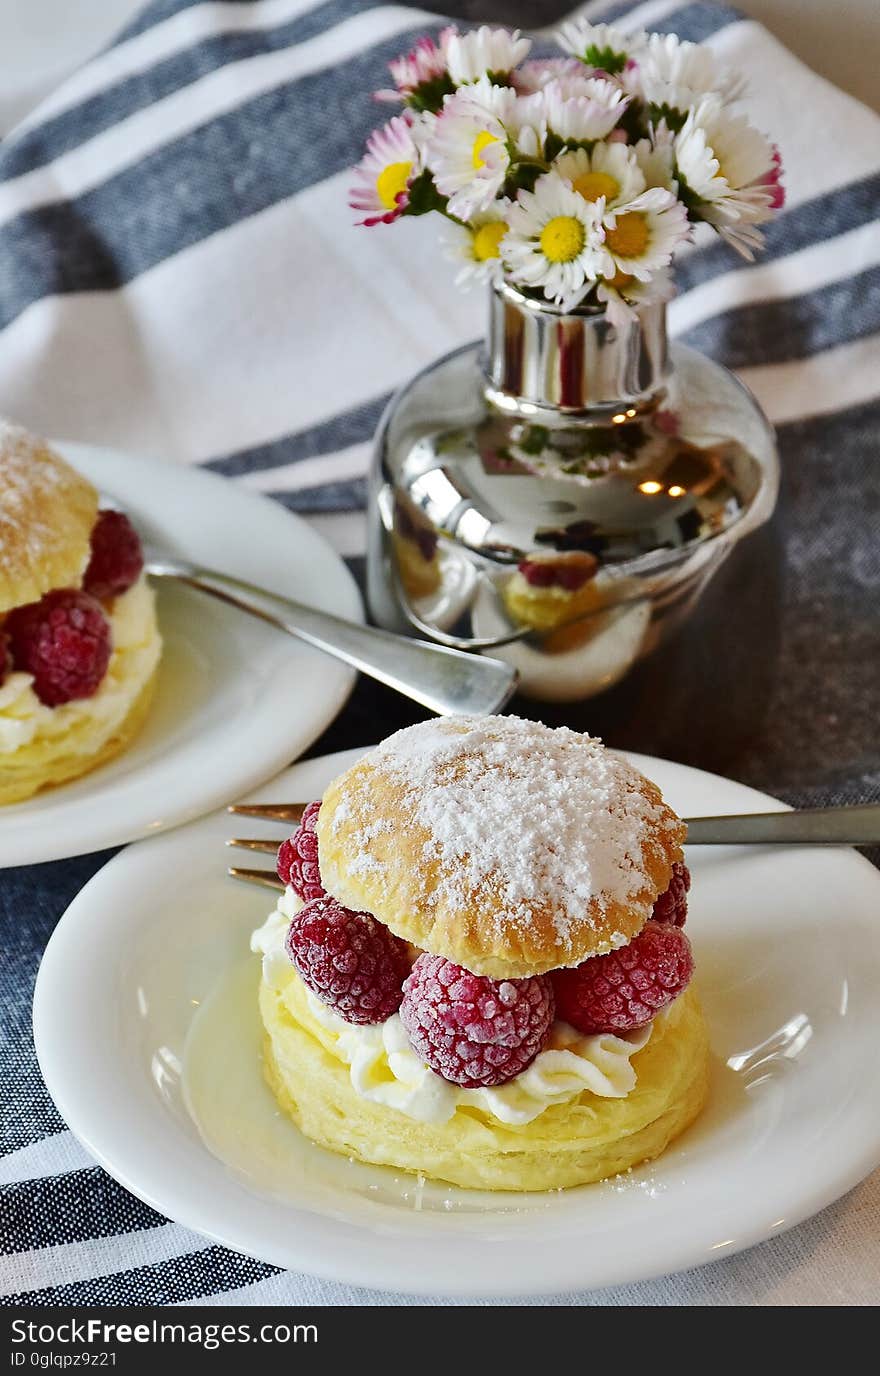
481, 143
620, 280
562, 239
391, 181
487, 239
592, 185
629, 238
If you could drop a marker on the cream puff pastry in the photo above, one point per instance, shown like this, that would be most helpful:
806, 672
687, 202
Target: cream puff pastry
478, 970
79, 642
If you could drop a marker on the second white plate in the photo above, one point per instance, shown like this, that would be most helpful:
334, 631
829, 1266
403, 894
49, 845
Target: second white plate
148, 973
237, 700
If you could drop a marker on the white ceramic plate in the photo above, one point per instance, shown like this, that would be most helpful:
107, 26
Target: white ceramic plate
236, 700
788, 957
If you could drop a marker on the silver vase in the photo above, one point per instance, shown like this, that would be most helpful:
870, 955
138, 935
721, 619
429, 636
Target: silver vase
561, 495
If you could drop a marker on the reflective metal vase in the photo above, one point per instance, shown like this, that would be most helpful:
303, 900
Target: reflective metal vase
561, 495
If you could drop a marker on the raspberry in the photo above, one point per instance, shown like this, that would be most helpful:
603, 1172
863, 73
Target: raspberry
64, 641
297, 863
626, 988
5, 658
353, 963
473, 1030
117, 558
574, 575
672, 906
569, 573
538, 574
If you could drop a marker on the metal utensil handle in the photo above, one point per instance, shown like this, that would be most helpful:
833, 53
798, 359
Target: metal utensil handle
443, 680
858, 825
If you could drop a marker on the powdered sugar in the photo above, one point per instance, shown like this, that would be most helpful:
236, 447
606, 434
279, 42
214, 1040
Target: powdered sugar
42, 502
364, 862
522, 814
23, 477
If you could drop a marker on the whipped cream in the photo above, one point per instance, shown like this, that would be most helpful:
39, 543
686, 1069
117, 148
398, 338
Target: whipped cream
25, 721
385, 1069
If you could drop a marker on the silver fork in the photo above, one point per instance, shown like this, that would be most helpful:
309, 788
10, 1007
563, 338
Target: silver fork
857, 825
444, 680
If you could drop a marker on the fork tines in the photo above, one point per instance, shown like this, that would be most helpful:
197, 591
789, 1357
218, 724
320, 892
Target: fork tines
252, 843
268, 812
267, 879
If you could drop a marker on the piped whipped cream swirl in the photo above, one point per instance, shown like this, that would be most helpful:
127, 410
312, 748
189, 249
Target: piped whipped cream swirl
384, 1068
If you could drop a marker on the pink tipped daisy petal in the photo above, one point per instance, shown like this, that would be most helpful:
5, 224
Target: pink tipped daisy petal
421, 73
381, 190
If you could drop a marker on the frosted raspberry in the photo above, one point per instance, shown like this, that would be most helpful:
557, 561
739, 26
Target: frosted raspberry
672, 906
117, 558
473, 1030
353, 963
626, 988
64, 641
297, 863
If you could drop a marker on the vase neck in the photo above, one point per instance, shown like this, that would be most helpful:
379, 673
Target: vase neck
537, 356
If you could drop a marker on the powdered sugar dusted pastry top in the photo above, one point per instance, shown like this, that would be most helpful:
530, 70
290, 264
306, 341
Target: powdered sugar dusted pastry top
505, 845
47, 512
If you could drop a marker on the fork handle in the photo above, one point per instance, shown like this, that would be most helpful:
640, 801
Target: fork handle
858, 825
445, 681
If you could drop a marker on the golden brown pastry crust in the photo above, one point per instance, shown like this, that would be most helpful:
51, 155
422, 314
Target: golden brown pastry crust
405, 885
575, 1143
47, 512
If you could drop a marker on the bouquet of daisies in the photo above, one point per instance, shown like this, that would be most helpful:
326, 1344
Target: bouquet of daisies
575, 178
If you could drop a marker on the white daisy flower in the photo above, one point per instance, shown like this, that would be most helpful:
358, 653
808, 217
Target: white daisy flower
672, 74
600, 45
488, 51
472, 140
583, 115
609, 172
522, 116
624, 296
642, 236
385, 173
554, 241
468, 151
476, 247
728, 173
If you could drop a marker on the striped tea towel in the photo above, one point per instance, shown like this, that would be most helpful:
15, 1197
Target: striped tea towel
180, 276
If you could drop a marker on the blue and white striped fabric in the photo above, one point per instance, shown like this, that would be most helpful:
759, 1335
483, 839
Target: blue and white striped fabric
179, 275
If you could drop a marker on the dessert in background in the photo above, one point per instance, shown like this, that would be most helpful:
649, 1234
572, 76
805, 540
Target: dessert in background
478, 969
553, 589
79, 642
415, 545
